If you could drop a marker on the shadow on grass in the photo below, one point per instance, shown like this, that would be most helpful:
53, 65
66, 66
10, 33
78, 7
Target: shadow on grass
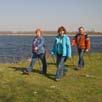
18, 68
23, 68
72, 66
51, 76
49, 63
48, 75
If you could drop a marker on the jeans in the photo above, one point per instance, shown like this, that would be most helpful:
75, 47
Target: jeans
61, 69
81, 59
43, 60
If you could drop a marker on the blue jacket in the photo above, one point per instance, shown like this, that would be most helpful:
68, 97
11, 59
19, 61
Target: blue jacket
40, 43
66, 46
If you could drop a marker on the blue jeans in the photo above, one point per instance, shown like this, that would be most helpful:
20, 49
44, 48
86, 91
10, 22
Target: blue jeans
61, 69
81, 59
43, 60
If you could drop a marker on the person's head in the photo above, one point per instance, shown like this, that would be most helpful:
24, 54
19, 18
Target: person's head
62, 30
38, 32
81, 30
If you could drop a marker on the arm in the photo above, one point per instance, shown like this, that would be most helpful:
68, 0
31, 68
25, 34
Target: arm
53, 51
69, 47
87, 42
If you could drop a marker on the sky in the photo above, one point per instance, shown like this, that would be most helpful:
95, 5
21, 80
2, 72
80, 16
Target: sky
27, 15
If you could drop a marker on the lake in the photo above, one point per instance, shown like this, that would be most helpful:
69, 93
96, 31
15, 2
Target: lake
15, 48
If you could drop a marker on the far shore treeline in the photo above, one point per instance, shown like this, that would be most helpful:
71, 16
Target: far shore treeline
45, 32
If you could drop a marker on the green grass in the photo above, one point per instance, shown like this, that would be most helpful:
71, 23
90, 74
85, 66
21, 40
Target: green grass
77, 86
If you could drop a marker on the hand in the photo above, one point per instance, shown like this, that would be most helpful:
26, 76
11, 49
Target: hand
86, 50
52, 53
36, 48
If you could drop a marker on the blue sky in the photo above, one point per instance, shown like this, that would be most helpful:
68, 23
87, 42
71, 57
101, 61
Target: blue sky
25, 15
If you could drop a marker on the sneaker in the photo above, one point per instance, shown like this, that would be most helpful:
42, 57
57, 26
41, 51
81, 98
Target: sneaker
77, 68
26, 72
57, 79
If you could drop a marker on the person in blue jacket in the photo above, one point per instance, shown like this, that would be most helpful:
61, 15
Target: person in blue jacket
62, 51
38, 51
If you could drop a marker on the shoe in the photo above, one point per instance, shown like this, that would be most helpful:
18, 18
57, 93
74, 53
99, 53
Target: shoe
57, 79
77, 68
44, 73
26, 72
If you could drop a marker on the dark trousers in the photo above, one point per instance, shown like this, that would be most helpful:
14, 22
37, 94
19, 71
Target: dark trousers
81, 59
43, 60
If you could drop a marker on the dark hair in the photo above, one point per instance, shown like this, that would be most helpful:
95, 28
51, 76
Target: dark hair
81, 27
62, 29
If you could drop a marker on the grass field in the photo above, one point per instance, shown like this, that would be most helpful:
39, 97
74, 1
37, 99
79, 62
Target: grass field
77, 86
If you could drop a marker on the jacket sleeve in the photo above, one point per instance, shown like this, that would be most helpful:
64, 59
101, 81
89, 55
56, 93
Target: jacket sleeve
69, 47
87, 42
53, 51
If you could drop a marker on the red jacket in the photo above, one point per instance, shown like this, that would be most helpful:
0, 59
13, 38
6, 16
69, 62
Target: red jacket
81, 41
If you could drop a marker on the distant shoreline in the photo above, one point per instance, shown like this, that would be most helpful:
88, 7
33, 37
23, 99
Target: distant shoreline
43, 34
46, 33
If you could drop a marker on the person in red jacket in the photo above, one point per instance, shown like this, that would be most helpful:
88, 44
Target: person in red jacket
82, 42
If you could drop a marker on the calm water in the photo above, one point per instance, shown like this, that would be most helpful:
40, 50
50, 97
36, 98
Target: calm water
15, 48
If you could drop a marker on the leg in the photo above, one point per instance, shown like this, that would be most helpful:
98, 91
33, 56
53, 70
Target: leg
30, 68
81, 60
60, 67
44, 63
82, 55
79, 51
65, 68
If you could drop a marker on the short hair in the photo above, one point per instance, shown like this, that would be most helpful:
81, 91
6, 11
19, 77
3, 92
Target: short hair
62, 29
38, 30
81, 27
